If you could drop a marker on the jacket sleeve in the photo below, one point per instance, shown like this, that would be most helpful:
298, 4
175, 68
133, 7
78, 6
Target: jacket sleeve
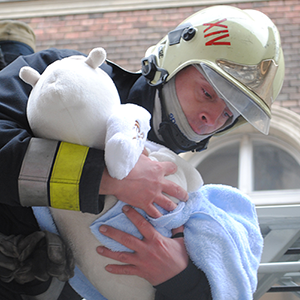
190, 284
37, 171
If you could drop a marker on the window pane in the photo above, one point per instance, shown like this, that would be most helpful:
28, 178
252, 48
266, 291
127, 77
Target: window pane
221, 166
274, 168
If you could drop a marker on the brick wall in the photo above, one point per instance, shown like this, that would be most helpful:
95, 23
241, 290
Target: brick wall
127, 35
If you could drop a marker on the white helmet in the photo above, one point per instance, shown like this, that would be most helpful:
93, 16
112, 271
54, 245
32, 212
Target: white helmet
239, 52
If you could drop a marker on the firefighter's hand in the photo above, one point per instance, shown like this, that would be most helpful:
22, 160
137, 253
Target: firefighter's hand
145, 186
155, 257
37, 256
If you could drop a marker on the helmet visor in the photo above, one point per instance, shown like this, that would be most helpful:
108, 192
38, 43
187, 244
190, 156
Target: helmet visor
236, 98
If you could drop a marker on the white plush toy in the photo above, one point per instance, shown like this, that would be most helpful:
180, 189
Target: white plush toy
77, 102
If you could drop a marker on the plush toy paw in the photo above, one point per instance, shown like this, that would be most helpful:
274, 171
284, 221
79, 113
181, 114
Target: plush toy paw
127, 131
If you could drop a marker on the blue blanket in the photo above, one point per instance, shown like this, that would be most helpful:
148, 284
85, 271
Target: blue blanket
221, 235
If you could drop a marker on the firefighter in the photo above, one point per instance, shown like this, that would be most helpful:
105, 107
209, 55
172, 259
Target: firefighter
217, 70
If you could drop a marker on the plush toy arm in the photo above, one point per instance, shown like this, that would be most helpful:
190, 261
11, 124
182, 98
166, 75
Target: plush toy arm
126, 135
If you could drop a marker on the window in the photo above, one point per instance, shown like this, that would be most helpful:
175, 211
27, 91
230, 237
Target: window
274, 167
226, 161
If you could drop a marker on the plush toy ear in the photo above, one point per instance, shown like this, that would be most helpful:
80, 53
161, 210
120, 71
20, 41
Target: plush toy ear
96, 58
29, 75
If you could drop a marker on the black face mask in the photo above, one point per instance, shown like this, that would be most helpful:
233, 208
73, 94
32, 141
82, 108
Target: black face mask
176, 141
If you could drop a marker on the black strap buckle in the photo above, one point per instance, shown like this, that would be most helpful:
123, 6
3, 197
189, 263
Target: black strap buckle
150, 69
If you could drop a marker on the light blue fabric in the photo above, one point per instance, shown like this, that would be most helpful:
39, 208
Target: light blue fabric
221, 234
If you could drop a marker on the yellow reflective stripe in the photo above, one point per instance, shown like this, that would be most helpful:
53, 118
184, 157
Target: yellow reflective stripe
65, 177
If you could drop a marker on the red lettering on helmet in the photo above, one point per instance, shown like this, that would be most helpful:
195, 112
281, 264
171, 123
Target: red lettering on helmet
215, 40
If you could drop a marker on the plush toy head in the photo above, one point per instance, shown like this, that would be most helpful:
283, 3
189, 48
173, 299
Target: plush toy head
73, 101
64, 102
